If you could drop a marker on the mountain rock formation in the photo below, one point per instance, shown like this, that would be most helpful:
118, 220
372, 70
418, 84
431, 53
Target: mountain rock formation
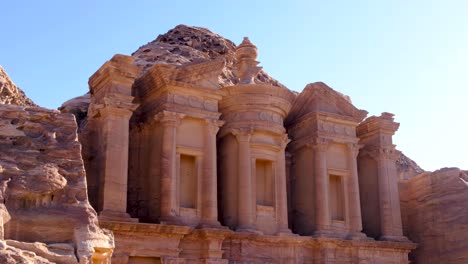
45, 215
10, 93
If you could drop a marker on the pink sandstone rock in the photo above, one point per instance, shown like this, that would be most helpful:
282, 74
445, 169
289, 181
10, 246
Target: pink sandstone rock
435, 215
10, 93
44, 186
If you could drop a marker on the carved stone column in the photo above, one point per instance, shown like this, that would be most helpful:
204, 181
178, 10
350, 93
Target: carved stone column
389, 200
322, 208
245, 213
209, 206
355, 218
281, 187
114, 120
169, 208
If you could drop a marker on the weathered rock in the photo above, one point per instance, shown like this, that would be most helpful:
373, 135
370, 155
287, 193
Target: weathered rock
184, 45
435, 215
13, 255
77, 106
58, 253
407, 167
43, 182
10, 94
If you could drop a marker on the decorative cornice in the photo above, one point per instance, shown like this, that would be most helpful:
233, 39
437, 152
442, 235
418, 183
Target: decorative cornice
117, 70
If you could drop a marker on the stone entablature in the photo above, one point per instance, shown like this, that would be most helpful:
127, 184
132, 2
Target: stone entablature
249, 172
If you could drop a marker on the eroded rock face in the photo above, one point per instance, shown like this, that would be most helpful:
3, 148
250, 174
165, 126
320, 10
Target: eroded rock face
185, 45
435, 215
10, 94
407, 167
43, 185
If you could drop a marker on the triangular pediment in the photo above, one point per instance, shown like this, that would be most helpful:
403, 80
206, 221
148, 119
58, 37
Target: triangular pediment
320, 98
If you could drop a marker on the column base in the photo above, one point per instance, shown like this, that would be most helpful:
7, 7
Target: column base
171, 220
395, 239
285, 232
210, 224
248, 229
326, 233
116, 216
358, 236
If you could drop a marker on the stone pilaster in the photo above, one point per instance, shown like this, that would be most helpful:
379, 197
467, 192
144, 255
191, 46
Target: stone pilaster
375, 134
169, 207
354, 202
281, 187
114, 120
245, 213
109, 112
209, 207
390, 212
322, 206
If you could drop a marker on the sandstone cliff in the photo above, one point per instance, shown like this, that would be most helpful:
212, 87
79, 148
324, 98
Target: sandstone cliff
43, 193
435, 215
10, 94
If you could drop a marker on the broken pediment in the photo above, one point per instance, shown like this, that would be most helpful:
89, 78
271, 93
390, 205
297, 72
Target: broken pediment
319, 98
203, 74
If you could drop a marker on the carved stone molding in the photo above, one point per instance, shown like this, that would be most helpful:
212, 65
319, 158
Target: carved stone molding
284, 141
167, 118
213, 125
382, 153
113, 104
319, 144
242, 134
354, 148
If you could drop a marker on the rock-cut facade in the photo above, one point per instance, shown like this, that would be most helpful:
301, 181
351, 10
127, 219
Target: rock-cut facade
184, 170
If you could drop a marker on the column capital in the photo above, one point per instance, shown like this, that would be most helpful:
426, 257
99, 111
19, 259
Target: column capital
284, 140
114, 104
243, 134
354, 148
167, 118
319, 144
387, 153
213, 125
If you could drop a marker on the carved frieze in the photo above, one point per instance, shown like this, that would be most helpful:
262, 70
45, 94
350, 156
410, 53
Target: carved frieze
193, 101
253, 116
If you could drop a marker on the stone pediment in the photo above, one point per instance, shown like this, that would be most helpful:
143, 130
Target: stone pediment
319, 98
203, 75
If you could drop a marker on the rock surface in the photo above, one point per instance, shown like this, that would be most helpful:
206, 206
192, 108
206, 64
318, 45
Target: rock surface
43, 184
435, 215
407, 167
185, 45
10, 94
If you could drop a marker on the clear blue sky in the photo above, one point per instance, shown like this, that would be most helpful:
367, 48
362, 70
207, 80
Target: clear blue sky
405, 57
